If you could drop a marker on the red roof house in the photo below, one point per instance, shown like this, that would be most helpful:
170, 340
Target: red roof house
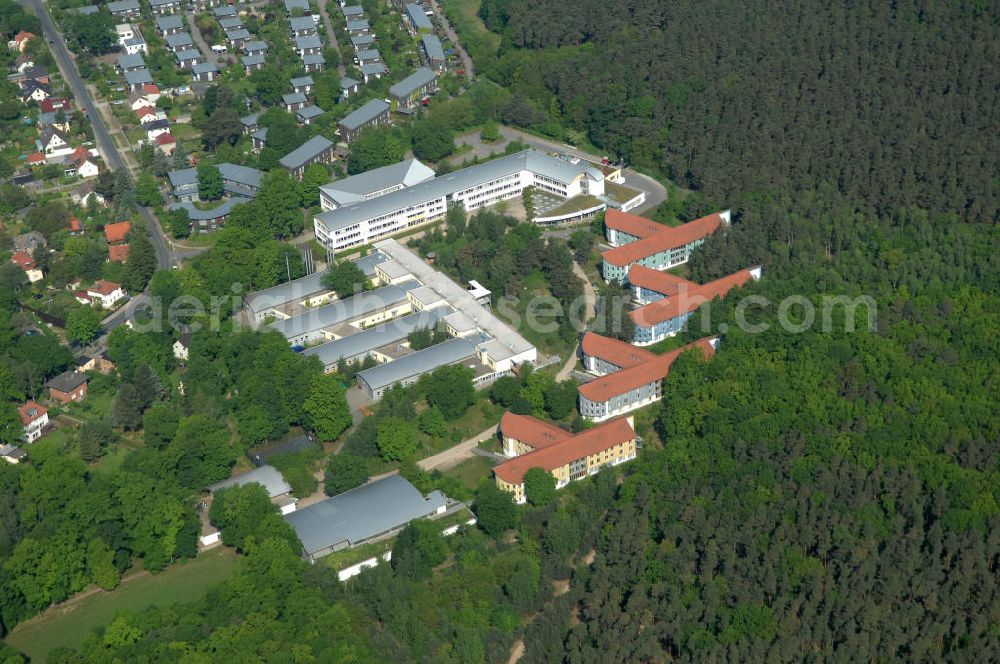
36, 159
117, 232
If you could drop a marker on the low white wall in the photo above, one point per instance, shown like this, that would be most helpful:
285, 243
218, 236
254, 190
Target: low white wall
568, 217
354, 570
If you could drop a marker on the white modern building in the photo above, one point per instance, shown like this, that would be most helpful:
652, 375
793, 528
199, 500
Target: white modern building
372, 184
473, 188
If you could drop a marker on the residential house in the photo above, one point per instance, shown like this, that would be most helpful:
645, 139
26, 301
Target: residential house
149, 114
302, 26
302, 84
362, 41
30, 242
53, 140
313, 63
189, 58
533, 443
162, 7
293, 5
166, 143
179, 41
240, 180
348, 87
230, 23
155, 128
151, 91
35, 159
317, 149
35, 91
85, 166
170, 25
433, 53
255, 47
373, 71
367, 56
20, 41
54, 120
252, 63
100, 363
372, 114
182, 346
135, 45
116, 236
23, 260
184, 184
103, 292
358, 27
416, 21
137, 100
310, 45
34, 418
237, 38
12, 454
408, 92
74, 226
307, 114
205, 71
258, 139
353, 13
124, 8
225, 11
69, 386
293, 101
249, 123
137, 78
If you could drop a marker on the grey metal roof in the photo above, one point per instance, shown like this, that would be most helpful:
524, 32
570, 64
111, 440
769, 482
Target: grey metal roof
369, 510
123, 5
412, 83
314, 59
393, 270
134, 41
426, 296
131, 60
308, 150
418, 17
67, 381
221, 210
296, 4
293, 98
366, 263
457, 297
86, 10
224, 10
421, 362
369, 54
358, 24
250, 60
373, 69
355, 345
341, 311
169, 22
308, 41
353, 10
260, 134
432, 47
275, 296
183, 177
205, 67
362, 40
239, 33
461, 322
347, 82
365, 114
466, 178
302, 23
178, 39
250, 120
157, 3
301, 81
231, 22
138, 77
240, 174
355, 188
256, 45
188, 54
267, 476
309, 112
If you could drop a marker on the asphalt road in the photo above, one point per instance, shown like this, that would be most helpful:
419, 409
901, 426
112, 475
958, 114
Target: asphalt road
106, 144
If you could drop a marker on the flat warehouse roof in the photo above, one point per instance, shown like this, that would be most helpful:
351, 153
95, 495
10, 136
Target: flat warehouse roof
266, 476
362, 513
283, 293
369, 339
341, 311
447, 352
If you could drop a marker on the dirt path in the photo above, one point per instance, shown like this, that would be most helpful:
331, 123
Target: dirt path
516, 652
457, 454
470, 70
332, 36
590, 297
199, 40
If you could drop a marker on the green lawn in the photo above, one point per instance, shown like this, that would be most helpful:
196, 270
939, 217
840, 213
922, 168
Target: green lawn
471, 472
69, 623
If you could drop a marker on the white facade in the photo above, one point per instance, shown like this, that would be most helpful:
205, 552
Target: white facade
107, 299
33, 429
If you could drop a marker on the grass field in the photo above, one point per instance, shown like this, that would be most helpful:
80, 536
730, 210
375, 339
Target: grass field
471, 472
69, 623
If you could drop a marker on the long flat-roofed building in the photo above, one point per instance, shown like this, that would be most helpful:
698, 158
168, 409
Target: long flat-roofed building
666, 316
472, 188
269, 477
409, 368
370, 512
367, 343
373, 183
362, 310
569, 458
639, 241
630, 377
